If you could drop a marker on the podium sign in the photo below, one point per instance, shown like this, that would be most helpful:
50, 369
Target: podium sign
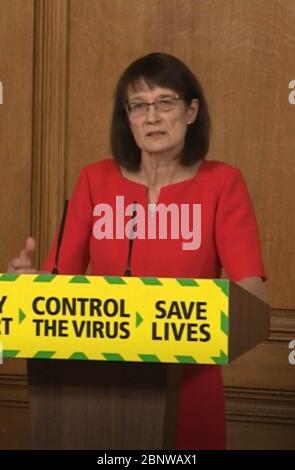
115, 318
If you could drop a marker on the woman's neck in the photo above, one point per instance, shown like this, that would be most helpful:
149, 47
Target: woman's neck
156, 172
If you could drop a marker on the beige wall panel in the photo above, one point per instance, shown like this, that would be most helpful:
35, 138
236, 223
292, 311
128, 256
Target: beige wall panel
262, 436
265, 366
16, 46
49, 110
104, 36
16, 75
260, 418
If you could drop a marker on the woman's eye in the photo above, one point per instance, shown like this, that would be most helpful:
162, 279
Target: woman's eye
137, 106
165, 104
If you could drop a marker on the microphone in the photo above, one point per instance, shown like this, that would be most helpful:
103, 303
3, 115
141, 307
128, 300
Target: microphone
59, 240
130, 246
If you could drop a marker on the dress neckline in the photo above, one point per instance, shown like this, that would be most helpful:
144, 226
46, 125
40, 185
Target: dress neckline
167, 186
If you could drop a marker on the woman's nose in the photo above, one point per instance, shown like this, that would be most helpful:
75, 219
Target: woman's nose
152, 114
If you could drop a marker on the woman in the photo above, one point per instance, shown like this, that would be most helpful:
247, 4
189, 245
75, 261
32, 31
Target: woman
160, 137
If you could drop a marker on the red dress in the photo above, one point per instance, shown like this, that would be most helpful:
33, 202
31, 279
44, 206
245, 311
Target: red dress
229, 238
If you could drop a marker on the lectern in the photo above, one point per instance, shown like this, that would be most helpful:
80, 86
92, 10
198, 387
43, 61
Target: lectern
91, 405
119, 388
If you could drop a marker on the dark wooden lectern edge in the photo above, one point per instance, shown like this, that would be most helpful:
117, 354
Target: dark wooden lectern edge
174, 375
249, 321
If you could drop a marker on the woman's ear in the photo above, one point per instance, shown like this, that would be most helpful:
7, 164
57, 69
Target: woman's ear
192, 111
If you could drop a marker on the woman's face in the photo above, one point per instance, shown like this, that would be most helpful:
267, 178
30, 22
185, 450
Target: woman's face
159, 128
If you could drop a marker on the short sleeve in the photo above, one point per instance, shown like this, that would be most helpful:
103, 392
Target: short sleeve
74, 250
236, 230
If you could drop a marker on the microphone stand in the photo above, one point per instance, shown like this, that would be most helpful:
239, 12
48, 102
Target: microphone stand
59, 240
130, 246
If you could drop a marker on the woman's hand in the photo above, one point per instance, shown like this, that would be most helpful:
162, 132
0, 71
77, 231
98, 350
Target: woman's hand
254, 285
23, 262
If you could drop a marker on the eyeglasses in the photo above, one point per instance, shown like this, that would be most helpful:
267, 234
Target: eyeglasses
167, 103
